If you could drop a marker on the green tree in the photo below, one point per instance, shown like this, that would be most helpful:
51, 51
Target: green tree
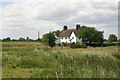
104, 39
49, 39
38, 40
27, 39
6, 39
14, 40
91, 35
56, 33
22, 39
112, 38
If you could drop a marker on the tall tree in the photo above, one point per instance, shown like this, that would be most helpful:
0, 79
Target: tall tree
22, 39
112, 38
91, 35
57, 32
49, 39
6, 39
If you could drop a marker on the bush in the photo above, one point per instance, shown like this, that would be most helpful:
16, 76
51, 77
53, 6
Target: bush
75, 46
118, 43
66, 44
79, 43
58, 44
110, 44
102, 45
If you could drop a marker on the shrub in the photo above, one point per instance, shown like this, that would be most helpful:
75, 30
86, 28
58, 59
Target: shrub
58, 44
110, 44
66, 44
78, 43
75, 46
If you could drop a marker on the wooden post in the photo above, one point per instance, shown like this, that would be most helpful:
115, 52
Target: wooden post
61, 45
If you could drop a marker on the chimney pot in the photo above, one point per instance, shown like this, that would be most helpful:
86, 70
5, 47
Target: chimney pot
64, 28
77, 26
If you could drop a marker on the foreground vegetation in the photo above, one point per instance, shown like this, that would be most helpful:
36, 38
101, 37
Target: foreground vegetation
35, 60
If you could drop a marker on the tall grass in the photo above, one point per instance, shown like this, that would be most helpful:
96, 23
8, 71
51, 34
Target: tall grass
44, 62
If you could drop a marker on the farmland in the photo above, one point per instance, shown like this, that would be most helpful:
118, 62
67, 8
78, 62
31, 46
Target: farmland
35, 60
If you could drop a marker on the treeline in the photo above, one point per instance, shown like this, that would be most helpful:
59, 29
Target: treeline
21, 39
89, 35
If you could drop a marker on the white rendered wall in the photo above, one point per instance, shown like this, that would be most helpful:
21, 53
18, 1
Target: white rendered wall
70, 39
73, 37
65, 40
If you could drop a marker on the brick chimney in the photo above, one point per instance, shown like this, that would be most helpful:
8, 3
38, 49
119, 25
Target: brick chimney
77, 27
65, 28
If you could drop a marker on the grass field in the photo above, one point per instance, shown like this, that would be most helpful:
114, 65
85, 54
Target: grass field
35, 60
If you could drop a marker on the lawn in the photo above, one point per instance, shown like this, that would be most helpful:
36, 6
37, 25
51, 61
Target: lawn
35, 60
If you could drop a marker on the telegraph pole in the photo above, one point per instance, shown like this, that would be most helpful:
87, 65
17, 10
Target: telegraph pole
38, 34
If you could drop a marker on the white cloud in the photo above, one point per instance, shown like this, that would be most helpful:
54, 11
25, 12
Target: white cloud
61, 0
26, 18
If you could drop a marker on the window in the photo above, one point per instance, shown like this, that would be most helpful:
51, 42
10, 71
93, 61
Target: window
62, 37
72, 37
65, 37
69, 38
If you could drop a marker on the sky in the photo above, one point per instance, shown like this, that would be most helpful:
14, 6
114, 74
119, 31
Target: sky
23, 18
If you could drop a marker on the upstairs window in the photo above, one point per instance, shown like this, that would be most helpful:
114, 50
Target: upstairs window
72, 37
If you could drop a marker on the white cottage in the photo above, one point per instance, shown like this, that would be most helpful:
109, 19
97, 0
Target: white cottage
68, 35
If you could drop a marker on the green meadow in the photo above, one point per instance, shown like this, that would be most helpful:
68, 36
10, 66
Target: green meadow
35, 60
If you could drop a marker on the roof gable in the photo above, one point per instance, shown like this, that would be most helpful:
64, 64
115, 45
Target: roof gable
67, 33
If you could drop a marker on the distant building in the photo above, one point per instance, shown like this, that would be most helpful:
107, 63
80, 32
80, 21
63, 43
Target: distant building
68, 35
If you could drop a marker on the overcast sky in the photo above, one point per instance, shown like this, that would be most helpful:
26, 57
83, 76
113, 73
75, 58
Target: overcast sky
23, 18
